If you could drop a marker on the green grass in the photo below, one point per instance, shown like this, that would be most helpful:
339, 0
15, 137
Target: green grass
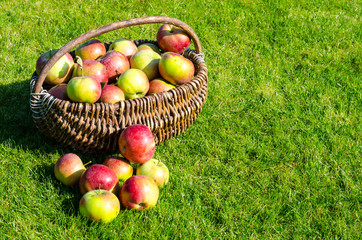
274, 154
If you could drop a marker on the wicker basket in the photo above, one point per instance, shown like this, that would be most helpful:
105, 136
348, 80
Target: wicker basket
96, 127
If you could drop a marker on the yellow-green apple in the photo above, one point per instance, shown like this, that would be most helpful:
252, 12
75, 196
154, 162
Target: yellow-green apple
172, 39
156, 170
120, 166
111, 94
134, 83
99, 205
146, 60
59, 91
90, 67
151, 46
139, 192
125, 46
68, 169
60, 72
137, 143
84, 89
175, 68
98, 176
159, 85
91, 49
116, 64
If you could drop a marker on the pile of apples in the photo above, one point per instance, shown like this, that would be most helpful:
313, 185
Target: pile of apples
104, 187
123, 71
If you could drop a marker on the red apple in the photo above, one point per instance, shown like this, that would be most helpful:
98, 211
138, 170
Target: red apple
146, 60
134, 83
116, 64
156, 170
68, 169
84, 89
111, 94
159, 85
99, 205
92, 68
175, 68
91, 49
172, 39
139, 192
60, 72
137, 144
59, 91
98, 176
125, 46
120, 166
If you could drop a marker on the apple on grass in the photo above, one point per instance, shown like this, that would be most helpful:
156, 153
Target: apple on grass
151, 46
60, 72
120, 166
137, 144
175, 68
146, 60
172, 39
112, 94
68, 169
159, 85
134, 83
139, 192
91, 49
59, 91
99, 205
116, 64
91, 68
125, 46
156, 170
84, 89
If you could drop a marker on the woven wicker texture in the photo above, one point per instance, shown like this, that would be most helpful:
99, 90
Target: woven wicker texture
96, 127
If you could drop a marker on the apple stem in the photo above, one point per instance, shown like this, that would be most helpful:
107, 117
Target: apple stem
87, 163
99, 188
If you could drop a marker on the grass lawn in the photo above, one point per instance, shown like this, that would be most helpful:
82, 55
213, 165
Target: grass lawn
274, 154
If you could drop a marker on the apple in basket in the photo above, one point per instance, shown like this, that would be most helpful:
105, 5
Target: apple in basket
156, 170
151, 46
112, 94
59, 91
116, 64
91, 49
68, 169
90, 67
146, 60
137, 144
175, 68
139, 192
99, 205
125, 46
98, 176
60, 72
134, 83
159, 85
84, 89
172, 39
120, 166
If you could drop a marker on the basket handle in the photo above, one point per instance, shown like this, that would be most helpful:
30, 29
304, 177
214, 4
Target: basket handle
110, 27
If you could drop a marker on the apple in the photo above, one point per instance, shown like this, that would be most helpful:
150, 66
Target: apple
172, 39
98, 176
120, 166
156, 170
59, 91
175, 68
92, 68
91, 49
84, 89
111, 94
68, 169
146, 60
151, 46
137, 143
60, 72
125, 46
116, 64
139, 192
99, 205
159, 85
134, 83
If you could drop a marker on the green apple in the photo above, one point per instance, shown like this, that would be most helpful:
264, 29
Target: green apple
151, 46
125, 46
134, 83
146, 60
84, 89
156, 170
121, 166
